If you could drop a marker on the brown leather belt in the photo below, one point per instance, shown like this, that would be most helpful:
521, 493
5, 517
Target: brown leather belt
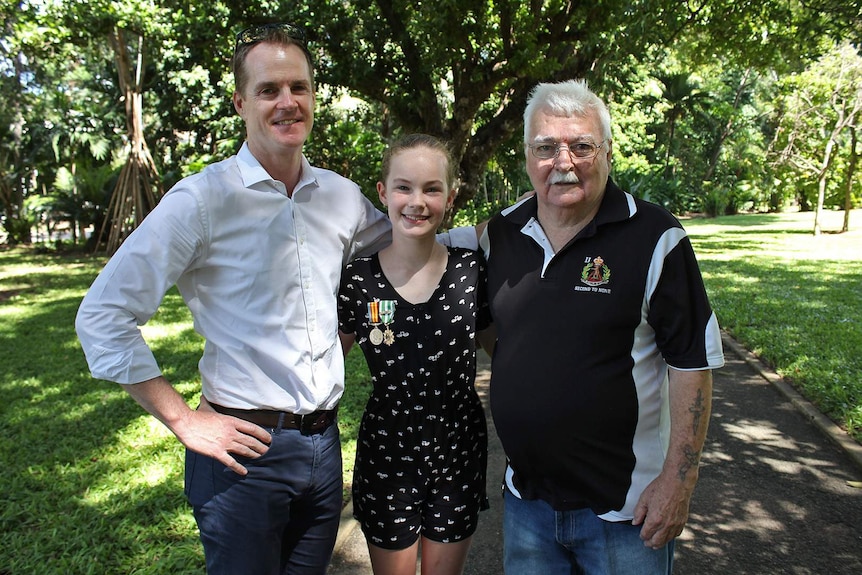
307, 424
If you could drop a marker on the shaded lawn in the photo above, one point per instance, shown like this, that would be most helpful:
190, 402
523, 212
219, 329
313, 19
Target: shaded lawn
792, 298
92, 484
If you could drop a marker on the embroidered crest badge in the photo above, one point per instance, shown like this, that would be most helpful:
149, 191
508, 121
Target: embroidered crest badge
596, 272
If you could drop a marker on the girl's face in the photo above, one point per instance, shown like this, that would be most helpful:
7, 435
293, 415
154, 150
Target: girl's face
416, 192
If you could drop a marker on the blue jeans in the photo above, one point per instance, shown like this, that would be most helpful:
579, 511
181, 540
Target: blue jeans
539, 541
280, 518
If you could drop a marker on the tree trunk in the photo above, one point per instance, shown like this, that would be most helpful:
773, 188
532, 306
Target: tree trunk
851, 172
668, 169
139, 185
728, 127
821, 185
13, 187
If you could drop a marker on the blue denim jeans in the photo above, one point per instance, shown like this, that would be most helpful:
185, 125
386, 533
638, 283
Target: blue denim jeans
539, 541
280, 518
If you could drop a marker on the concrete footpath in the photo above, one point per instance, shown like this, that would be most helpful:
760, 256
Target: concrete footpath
778, 490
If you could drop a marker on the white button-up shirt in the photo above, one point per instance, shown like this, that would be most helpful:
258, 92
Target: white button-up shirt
259, 271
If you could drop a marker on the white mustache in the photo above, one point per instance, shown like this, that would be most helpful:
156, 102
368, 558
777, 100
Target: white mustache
564, 178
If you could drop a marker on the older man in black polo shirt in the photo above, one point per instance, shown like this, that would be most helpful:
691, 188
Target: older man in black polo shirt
604, 416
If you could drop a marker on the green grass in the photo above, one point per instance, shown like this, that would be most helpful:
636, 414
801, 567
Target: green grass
92, 484
792, 298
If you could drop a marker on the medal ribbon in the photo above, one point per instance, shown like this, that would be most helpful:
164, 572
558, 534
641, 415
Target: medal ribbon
374, 312
387, 310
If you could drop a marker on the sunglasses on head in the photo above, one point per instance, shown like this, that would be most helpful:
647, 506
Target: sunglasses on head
255, 34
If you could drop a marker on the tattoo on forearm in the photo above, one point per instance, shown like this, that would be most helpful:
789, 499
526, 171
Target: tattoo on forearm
691, 461
692, 455
697, 410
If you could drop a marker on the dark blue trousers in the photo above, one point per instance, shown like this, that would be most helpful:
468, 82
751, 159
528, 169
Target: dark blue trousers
280, 518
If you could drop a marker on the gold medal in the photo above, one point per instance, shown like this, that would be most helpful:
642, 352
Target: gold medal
376, 336
388, 336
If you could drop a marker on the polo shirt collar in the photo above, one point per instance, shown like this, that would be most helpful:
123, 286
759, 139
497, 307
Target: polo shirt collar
616, 206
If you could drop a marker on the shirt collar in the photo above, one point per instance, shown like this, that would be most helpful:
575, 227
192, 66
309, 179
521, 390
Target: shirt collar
616, 205
253, 174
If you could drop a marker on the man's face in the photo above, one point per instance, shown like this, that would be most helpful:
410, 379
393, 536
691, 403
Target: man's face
277, 103
566, 181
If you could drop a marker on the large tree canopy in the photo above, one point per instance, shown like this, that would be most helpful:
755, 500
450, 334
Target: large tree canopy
463, 69
458, 69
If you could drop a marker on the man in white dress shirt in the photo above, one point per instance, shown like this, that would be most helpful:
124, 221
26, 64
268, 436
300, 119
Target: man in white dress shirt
255, 244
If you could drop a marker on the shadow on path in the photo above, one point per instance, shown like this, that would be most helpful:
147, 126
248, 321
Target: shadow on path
773, 495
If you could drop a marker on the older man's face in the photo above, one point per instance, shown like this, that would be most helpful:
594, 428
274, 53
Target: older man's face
566, 182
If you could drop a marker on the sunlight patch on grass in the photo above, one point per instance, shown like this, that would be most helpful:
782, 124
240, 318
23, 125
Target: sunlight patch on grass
144, 455
153, 332
93, 484
26, 269
792, 298
11, 313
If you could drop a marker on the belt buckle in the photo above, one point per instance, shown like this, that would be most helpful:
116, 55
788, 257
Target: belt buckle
307, 421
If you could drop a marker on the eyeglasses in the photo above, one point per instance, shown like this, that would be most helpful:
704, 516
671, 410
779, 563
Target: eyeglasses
580, 150
257, 33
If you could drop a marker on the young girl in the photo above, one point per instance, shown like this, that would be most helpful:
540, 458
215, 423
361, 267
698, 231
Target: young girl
414, 307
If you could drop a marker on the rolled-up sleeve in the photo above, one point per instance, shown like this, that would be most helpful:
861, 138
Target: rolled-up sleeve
130, 289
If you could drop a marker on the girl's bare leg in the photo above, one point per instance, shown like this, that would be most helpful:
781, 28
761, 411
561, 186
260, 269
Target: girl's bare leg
444, 558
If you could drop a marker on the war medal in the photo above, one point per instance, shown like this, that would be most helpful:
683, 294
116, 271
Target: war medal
381, 311
387, 315
376, 336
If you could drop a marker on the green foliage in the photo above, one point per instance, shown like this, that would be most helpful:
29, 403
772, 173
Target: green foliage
716, 200
815, 109
694, 136
81, 198
696, 90
354, 141
469, 84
